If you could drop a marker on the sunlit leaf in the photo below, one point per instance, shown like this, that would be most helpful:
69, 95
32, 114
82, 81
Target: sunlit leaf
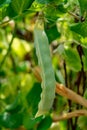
21, 5
83, 6
72, 59
80, 28
3, 2
44, 1
30, 122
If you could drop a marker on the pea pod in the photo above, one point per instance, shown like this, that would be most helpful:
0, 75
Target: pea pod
47, 73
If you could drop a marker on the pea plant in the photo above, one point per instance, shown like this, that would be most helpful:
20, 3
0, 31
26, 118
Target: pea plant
43, 64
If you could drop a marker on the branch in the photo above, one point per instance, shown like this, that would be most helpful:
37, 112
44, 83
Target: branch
71, 95
63, 91
74, 15
69, 115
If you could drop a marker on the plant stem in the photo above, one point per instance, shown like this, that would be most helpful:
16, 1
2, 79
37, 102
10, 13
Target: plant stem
69, 115
9, 48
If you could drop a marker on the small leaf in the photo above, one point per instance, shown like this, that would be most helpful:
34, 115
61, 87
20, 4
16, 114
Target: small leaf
44, 1
80, 28
33, 98
72, 59
49, 1
59, 77
45, 123
52, 33
15, 106
30, 122
61, 8
82, 122
21, 5
84, 58
3, 2
83, 5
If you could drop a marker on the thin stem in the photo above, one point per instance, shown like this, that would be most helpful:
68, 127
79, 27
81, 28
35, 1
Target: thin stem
66, 78
9, 48
74, 15
70, 122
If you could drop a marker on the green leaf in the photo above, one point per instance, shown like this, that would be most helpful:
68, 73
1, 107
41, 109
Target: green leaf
30, 122
45, 123
82, 122
3, 2
10, 11
22, 67
80, 28
33, 98
10, 120
21, 5
52, 33
72, 59
61, 8
84, 58
83, 5
44, 1
51, 13
49, 1
15, 106
59, 77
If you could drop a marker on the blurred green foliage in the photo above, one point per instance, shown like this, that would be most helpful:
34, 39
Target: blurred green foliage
66, 28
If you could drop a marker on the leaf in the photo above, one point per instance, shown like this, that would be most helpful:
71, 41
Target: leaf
59, 77
3, 2
52, 33
47, 73
44, 1
51, 13
80, 28
49, 1
45, 123
84, 58
33, 98
61, 8
83, 5
15, 106
22, 67
21, 5
82, 122
30, 122
10, 120
72, 59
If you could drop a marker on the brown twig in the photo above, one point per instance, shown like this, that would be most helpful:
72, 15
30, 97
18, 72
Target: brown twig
69, 115
74, 15
71, 95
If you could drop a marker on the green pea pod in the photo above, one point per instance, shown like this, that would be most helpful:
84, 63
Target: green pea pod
47, 73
